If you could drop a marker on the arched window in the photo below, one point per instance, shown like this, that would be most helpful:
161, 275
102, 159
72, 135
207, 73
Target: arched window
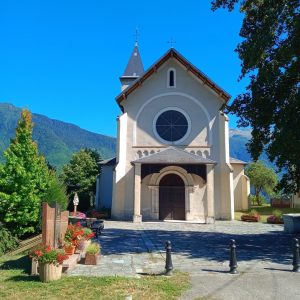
171, 78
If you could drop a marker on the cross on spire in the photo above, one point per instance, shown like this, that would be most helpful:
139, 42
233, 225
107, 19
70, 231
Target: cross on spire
172, 42
136, 35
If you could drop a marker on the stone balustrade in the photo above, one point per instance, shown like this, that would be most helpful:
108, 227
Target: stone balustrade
145, 151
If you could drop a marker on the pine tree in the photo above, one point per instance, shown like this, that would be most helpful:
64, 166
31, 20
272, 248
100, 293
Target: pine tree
24, 179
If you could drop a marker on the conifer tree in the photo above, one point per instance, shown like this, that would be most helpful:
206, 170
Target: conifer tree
24, 179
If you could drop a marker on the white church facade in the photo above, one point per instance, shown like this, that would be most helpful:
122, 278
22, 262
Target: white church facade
172, 160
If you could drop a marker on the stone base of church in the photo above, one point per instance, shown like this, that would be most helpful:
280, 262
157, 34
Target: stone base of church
137, 219
210, 220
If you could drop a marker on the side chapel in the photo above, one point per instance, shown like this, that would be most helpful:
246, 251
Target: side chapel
172, 158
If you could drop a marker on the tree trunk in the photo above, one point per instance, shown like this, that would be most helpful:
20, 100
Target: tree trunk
257, 196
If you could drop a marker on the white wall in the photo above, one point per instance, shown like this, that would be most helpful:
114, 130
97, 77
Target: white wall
207, 130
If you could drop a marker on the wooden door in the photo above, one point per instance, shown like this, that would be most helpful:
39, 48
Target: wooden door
171, 198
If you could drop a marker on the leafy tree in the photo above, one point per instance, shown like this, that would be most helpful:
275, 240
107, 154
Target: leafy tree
23, 180
262, 178
80, 176
270, 55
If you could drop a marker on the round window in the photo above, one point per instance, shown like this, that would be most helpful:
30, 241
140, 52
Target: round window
171, 125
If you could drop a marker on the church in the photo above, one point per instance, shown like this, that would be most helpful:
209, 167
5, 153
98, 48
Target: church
172, 160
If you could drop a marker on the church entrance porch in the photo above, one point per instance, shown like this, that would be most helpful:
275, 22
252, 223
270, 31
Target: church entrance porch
171, 198
173, 184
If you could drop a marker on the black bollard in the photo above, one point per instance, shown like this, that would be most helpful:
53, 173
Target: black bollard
233, 261
296, 255
169, 265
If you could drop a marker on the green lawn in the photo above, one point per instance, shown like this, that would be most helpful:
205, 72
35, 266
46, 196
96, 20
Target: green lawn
15, 283
265, 211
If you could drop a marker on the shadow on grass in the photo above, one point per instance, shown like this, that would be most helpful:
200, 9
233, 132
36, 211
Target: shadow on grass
152, 274
21, 263
23, 278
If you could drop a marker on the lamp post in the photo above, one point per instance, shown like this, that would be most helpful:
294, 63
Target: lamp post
75, 202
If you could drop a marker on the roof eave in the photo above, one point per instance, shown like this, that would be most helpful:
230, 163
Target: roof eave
190, 67
174, 163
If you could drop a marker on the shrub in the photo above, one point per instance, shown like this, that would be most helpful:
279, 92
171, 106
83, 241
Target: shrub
93, 248
277, 213
253, 200
8, 241
253, 213
56, 192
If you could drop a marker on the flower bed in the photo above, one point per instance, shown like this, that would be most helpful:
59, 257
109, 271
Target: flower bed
274, 220
249, 218
252, 216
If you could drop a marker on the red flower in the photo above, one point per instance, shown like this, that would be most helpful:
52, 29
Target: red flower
38, 253
47, 249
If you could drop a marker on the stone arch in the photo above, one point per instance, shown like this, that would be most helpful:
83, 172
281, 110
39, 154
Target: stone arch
154, 186
195, 100
185, 176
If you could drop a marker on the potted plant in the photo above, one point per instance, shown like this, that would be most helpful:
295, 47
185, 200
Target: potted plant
87, 235
276, 217
252, 216
49, 262
72, 238
92, 254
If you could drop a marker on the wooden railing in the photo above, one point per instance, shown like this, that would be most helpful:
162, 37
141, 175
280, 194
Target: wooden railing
27, 244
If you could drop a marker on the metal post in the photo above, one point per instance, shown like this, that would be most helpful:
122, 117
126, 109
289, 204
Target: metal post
296, 267
169, 265
233, 261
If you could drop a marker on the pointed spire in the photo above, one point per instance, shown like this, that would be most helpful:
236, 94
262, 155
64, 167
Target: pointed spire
135, 66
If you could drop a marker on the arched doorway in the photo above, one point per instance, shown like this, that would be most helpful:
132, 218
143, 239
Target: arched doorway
171, 198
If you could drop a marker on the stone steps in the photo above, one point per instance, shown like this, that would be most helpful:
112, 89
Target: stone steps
72, 261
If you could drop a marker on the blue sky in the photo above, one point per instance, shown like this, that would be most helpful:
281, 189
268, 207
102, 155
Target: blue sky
63, 58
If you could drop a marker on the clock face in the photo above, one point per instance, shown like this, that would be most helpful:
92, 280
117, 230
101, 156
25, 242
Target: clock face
171, 125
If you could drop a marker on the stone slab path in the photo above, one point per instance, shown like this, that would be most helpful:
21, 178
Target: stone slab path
263, 251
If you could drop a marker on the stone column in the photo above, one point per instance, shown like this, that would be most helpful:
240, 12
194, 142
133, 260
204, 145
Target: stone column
137, 217
189, 190
210, 218
154, 201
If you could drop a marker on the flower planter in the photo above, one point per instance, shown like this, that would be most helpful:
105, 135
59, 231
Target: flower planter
248, 218
274, 220
50, 272
83, 244
91, 259
69, 250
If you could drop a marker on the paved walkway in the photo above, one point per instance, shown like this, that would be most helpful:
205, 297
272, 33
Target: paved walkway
263, 253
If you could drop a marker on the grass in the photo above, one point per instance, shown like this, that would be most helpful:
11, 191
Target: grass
15, 283
265, 211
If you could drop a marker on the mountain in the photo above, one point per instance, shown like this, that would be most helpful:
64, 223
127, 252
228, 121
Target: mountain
238, 138
56, 140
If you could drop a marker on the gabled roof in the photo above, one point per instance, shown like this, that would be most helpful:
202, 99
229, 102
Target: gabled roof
237, 161
172, 53
135, 66
107, 162
173, 155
